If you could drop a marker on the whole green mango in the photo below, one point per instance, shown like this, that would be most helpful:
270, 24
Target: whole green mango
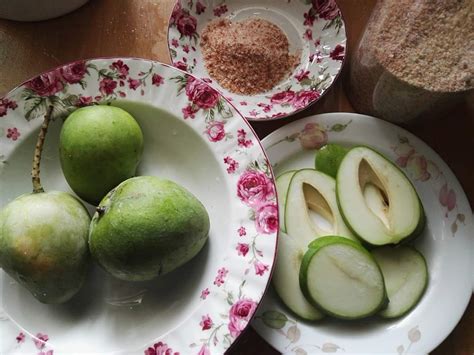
100, 146
147, 227
43, 244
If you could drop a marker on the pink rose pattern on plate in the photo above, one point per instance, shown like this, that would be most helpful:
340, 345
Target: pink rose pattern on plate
46, 84
215, 131
266, 218
232, 165
414, 335
94, 82
20, 338
313, 135
289, 328
200, 94
47, 89
255, 188
5, 105
13, 133
221, 275
326, 9
220, 10
242, 248
205, 293
337, 53
40, 342
257, 191
422, 170
202, 97
74, 73
160, 348
235, 321
326, 52
240, 314
206, 322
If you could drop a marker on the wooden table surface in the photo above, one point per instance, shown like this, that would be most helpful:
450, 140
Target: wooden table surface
138, 28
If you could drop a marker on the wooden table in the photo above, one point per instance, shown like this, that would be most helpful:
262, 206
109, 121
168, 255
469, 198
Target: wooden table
138, 28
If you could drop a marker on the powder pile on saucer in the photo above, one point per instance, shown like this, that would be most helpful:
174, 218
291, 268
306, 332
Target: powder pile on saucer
247, 57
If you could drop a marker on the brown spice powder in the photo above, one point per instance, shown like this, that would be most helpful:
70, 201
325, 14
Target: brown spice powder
247, 57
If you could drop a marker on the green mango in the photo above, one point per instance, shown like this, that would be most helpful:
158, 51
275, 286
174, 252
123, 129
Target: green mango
99, 147
329, 157
147, 226
43, 244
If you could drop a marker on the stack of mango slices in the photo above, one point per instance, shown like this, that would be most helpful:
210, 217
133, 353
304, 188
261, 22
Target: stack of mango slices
343, 248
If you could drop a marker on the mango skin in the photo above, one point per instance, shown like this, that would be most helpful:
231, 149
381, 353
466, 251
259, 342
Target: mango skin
147, 226
43, 244
99, 147
329, 157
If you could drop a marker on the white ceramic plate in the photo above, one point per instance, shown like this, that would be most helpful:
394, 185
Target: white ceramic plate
446, 243
314, 27
193, 136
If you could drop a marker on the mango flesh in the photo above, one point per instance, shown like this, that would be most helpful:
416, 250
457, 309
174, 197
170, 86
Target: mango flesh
99, 147
147, 227
43, 244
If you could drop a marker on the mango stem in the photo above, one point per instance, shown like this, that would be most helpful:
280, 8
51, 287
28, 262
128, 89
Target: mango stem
35, 171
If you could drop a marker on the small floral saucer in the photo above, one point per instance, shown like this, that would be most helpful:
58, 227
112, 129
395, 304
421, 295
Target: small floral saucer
315, 28
192, 136
446, 244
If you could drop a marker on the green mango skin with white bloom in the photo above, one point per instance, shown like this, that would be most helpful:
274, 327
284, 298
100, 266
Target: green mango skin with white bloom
99, 147
43, 244
329, 157
146, 227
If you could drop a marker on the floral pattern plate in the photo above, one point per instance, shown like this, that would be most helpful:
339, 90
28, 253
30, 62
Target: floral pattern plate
193, 136
446, 243
315, 28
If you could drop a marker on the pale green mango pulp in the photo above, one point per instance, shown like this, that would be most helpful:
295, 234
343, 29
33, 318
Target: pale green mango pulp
43, 244
147, 227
